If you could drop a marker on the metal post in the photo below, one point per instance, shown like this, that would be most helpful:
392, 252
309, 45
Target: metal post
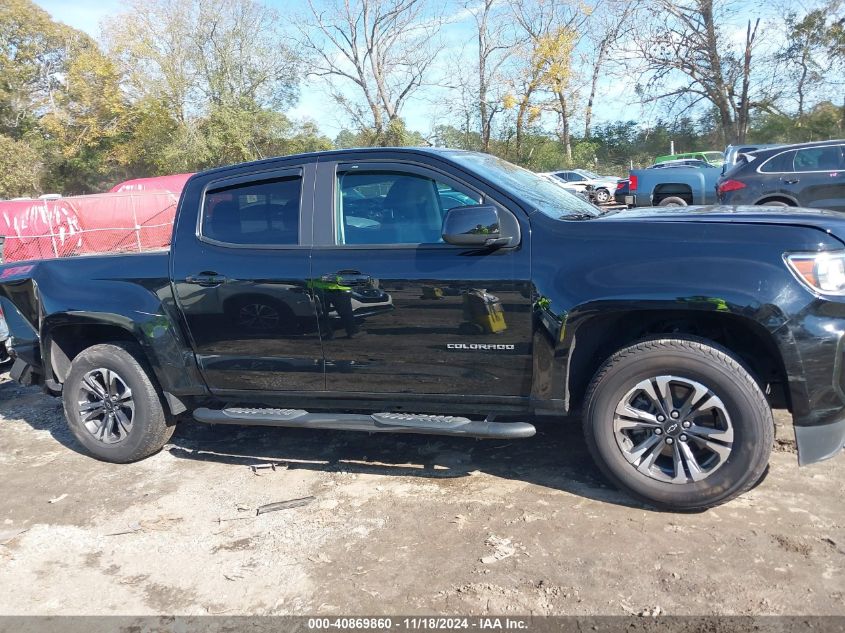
52, 230
135, 220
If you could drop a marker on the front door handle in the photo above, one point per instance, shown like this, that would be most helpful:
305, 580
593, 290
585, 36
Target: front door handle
206, 279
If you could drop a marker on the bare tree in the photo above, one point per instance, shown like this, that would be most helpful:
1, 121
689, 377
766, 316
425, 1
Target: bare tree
609, 21
687, 59
384, 49
552, 29
496, 43
806, 51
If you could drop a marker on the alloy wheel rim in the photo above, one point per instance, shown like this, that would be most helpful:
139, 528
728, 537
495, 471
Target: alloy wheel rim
673, 429
106, 406
258, 316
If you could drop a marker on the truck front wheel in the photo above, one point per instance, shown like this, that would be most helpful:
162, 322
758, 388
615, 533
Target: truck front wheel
112, 406
678, 423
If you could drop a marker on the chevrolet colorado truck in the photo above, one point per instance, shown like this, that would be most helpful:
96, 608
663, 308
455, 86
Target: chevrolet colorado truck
446, 292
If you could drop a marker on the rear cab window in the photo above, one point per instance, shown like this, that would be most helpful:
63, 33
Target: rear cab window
265, 212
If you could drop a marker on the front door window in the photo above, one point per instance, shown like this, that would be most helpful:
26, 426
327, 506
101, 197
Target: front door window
393, 207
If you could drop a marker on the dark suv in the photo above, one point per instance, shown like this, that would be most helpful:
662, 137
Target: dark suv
804, 175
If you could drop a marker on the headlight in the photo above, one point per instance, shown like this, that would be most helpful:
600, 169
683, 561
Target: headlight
823, 272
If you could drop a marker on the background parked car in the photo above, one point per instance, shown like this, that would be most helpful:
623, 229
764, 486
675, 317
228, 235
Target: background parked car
733, 152
711, 157
622, 190
603, 186
578, 189
802, 175
683, 162
679, 186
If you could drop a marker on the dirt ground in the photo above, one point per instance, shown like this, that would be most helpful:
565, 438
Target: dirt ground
398, 524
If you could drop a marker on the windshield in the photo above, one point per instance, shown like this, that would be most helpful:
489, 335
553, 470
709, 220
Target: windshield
544, 196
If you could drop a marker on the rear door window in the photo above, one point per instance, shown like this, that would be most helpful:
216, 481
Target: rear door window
818, 159
782, 163
265, 212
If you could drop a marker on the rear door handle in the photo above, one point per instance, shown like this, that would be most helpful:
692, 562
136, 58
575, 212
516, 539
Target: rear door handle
792, 182
206, 279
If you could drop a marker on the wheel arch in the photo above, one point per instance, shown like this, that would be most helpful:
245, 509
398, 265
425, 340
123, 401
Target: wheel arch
597, 338
65, 335
777, 197
672, 190
63, 343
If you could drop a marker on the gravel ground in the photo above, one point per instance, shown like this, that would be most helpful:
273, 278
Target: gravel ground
398, 524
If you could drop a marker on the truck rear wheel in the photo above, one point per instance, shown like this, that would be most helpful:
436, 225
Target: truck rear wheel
678, 423
112, 406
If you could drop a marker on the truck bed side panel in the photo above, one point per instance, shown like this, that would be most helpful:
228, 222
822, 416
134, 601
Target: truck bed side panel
129, 292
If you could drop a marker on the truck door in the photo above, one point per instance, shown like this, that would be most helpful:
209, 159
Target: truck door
402, 311
240, 275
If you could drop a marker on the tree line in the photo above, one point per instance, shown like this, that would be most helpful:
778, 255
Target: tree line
181, 85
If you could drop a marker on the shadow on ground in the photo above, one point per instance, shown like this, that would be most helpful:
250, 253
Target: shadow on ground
556, 457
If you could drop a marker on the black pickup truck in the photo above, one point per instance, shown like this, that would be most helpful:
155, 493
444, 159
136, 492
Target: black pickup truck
452, 293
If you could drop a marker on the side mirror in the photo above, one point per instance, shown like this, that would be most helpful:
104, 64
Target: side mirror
474, 225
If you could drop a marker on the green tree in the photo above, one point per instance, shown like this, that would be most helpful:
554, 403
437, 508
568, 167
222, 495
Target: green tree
87, 122
20, 168
61, 96
394, 134
197, 54
33, 56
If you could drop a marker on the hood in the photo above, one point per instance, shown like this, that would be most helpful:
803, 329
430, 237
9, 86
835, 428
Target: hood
831, 222
604, 180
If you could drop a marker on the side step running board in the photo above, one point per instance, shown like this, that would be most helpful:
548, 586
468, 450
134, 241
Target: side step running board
376, 423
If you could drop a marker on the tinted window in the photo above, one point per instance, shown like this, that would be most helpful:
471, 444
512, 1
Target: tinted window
818, 159
264, 212
394, 207
779, 164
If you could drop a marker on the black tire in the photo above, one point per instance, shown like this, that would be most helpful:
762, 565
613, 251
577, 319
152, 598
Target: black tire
602, 196
710, 366
673, 201
774, 203
149, 430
